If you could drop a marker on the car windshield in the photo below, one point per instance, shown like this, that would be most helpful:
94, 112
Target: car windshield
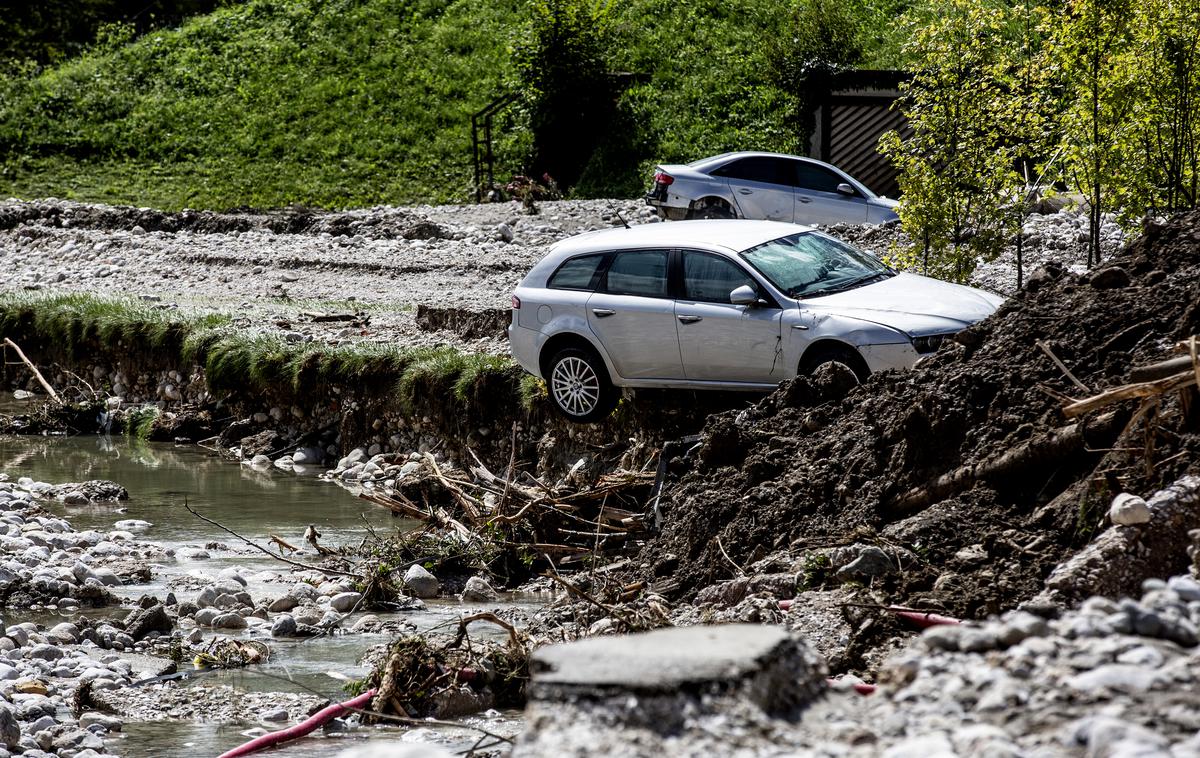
810, 264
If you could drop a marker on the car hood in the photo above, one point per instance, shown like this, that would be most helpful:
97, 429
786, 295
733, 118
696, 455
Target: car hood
915, 305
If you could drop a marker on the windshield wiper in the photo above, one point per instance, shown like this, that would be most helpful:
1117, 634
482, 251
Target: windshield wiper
846, 285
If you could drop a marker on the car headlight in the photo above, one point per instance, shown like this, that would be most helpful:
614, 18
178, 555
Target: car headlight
929, 343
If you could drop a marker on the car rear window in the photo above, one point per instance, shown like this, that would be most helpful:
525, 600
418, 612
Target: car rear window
639, 272
577, 273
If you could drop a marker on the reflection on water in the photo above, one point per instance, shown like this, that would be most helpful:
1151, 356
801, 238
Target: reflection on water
256, 504
161, 476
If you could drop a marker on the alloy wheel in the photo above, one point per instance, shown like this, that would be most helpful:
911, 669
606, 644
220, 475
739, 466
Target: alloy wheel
575, 386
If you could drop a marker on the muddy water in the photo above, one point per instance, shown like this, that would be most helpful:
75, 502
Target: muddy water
256, 504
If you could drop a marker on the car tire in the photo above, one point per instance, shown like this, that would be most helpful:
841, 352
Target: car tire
713, 209
578, 385
847, 356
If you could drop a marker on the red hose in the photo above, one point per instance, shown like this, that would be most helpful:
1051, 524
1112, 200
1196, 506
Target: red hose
861, 688
305, 727
921, 619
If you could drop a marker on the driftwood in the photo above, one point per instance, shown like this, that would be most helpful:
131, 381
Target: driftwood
1041, 451
260, 548
36, 374
538, 519
1130, 392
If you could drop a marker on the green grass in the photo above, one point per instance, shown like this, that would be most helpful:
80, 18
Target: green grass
84, 326
139, 422
336, 103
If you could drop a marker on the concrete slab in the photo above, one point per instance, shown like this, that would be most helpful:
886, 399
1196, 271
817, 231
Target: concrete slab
664, 659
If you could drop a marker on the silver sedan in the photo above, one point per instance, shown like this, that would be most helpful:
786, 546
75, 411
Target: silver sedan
767, 186
739, 305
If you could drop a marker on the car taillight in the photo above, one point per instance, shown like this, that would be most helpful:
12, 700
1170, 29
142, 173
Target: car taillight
664, 179
516, 303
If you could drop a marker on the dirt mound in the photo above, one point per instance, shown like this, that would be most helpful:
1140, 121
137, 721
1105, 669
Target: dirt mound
964, 471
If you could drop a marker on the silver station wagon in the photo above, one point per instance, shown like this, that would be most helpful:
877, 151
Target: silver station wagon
729, 305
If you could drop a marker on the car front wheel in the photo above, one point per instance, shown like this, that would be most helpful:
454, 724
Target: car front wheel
579, 386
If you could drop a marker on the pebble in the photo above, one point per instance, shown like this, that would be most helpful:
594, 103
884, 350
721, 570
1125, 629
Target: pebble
1128, 510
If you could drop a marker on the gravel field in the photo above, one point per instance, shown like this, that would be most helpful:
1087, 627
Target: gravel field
276, 270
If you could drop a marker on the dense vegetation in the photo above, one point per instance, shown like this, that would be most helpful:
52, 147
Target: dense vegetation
1096, 97
354, 102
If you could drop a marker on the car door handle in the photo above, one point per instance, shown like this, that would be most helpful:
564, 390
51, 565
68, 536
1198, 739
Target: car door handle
689, 319
804, 199
602, 312
745, 191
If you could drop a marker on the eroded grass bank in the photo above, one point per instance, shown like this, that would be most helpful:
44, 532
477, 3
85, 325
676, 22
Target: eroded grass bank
226, 380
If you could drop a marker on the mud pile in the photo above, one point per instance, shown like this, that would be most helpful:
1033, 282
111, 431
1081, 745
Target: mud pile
814, 477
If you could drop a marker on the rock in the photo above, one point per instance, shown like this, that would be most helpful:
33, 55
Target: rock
143, 622
259, 444
132, 525
1128, 510
207, 597
479, 590
420, 583
276, 714
93, 491
284, 626
108, 722
31, 687
228, 621
192, 554
205, 616
343, 602
310, 456
871, 563
285, 603
1109, 278
10, 730
66, 633
231, 574
45, 652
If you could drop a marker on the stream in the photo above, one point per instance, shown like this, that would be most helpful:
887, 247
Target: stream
256, 504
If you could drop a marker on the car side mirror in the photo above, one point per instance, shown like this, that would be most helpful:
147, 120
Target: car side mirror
744, 295
845, 189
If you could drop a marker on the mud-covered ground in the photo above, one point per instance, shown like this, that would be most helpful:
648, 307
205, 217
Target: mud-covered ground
416, 275
957, 486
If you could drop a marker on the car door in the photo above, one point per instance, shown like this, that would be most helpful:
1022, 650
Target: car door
720, 341
819, 202
762, 186
633, 316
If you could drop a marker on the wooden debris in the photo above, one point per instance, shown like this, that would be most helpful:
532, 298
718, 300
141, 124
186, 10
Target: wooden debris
36, 374
535, 519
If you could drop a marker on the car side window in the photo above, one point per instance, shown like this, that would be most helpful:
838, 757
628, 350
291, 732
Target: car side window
710, 278
577, 273
818, 178
638, 272
761, 168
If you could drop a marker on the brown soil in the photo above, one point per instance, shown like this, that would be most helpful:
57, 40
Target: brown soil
798, 472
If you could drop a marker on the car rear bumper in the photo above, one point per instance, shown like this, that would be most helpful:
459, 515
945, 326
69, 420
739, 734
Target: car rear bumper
525, 346
668, 209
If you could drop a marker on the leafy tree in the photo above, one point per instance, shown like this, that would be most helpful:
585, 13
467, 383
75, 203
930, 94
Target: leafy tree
1094, 44
821, 37
561, 62
958, 163
1166, 109
1027, 112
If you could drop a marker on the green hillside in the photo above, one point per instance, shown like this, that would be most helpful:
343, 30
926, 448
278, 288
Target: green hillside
337, 103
